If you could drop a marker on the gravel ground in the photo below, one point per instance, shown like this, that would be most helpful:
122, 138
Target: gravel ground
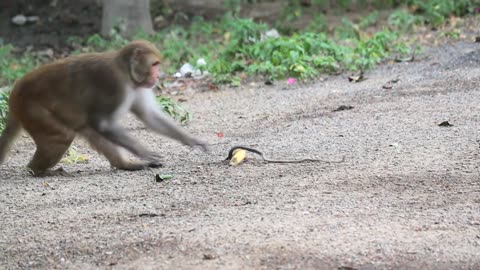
406, 197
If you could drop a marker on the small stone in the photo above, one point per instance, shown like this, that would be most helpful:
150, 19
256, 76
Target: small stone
160, 22
46, 53
186, 70
19, 20
201, 62
32, 19
272, 33
208, 256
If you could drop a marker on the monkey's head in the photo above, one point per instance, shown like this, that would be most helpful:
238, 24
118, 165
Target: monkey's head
144, 63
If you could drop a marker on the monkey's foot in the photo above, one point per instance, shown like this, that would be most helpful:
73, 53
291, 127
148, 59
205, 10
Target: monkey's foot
137, 166
155, 164
48, 173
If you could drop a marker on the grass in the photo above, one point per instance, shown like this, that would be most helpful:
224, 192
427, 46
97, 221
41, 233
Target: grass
13, 67
437, 12
234, 47
74, 157
174, 109
242, 49
3, 109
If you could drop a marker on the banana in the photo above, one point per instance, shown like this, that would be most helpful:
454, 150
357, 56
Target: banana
238, 156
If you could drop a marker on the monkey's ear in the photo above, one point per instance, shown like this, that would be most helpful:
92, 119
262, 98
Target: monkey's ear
136, 67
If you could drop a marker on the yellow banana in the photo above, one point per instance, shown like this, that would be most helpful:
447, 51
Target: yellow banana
238, 156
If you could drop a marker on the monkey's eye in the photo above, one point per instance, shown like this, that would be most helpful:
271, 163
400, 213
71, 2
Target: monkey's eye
155, 63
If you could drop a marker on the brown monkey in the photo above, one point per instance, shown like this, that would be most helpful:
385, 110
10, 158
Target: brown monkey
87, 95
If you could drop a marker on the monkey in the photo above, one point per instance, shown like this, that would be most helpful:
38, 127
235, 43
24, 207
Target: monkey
87, 95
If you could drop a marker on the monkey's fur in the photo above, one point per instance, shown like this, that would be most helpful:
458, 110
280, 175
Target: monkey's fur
87, 95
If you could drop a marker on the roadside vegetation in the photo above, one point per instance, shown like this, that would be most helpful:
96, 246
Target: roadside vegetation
233, 48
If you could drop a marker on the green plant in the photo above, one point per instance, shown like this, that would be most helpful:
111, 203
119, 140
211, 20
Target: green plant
3, 109
233, 6
348, 30
290, 14
96, 42
453, 34
74, 157
345, 4
369, 20
235, 45
303, 55
174, 109
403, 20
371, 51
241, 32
176, 49
383, 4
286, 56
14, 67
200, 27
436, 12
318, 24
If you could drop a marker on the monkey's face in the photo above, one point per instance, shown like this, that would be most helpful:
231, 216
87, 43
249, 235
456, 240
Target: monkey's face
145, 67
153, 75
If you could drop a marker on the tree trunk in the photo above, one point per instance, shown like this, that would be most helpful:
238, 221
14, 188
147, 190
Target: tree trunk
130, 15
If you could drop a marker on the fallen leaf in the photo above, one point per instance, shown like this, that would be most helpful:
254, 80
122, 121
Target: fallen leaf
73, 157
394, 80
356, 78
148, 215
343, 108
161, 177
346, 268
213, 87
389, 84
445, 124
405, 59
208, 256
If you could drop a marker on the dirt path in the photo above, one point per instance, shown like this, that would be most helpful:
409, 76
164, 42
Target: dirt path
407, 196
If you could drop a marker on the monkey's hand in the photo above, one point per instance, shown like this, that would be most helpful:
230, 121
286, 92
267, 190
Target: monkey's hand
192, 142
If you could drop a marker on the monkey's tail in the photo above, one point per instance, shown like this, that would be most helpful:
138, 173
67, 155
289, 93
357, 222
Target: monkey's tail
10, 133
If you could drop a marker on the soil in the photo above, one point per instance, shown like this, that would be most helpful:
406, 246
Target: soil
58, 20
407, 195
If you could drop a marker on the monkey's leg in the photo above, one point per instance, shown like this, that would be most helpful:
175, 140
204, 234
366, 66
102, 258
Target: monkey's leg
115, 154
51, 137
47, 155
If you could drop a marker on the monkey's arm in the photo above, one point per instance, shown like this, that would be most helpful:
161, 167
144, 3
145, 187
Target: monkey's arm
147, 110
118, 135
